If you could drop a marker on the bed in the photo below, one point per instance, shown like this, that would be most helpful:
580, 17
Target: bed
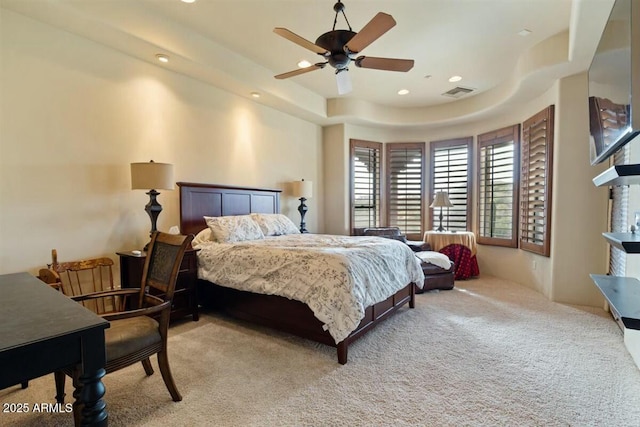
289, 315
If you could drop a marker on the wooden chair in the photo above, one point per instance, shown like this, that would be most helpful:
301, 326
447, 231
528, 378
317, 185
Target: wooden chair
81, 277
76, 278
134, 335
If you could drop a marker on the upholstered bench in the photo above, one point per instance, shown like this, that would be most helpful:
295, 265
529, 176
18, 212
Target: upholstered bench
435, 277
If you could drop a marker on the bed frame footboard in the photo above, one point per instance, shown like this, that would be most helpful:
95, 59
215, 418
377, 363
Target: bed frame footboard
295, 317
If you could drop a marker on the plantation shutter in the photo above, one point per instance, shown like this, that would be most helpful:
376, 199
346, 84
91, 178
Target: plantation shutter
536, 182
498, 187
451, 172
365, 184
405, 187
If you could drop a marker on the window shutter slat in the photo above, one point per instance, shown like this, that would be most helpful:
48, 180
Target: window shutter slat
536, 182
405, 187
365, 184
498, 186
450, 172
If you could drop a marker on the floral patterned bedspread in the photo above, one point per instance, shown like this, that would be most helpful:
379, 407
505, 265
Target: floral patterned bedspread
336, 276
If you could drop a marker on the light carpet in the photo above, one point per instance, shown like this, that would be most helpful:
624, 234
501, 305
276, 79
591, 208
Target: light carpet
487, 353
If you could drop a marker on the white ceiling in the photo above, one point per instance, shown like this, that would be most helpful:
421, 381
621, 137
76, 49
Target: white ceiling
231, 44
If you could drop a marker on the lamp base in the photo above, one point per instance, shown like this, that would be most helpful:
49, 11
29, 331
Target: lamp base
303, 211
440, 228
153, 208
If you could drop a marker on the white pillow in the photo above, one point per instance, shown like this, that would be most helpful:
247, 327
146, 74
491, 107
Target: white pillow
202, 237
275, 224
234, 228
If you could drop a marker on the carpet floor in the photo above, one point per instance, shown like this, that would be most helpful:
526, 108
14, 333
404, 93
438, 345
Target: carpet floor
487, 353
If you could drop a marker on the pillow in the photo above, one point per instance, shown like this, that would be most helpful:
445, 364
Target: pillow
275, 224
202, 237
235, 228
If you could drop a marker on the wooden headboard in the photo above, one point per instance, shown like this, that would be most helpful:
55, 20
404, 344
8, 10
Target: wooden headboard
199, 200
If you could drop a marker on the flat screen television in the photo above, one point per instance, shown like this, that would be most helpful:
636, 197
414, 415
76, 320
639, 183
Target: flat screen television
614, 83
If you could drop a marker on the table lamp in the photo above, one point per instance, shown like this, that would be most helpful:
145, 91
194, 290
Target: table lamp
152, 176
441, 200
303, 190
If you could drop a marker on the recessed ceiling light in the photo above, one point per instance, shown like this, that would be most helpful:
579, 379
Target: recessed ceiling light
304, 64
188, 1
162, 58
403, 91
524, 32
255, 94
454, 79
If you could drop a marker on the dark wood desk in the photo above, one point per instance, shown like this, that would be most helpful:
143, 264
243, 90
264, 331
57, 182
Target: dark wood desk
42, 331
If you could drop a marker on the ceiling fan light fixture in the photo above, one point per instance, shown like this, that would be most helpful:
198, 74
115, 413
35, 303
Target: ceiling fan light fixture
344, 81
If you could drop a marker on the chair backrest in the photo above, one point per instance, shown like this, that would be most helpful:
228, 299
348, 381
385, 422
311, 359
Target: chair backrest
82, 277
388, 232
162, 265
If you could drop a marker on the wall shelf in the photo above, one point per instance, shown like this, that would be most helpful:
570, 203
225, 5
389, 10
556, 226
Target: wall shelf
623, 296
618, 175
628, 242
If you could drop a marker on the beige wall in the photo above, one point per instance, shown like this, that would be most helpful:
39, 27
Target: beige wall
335, 159
75, 114
580, 212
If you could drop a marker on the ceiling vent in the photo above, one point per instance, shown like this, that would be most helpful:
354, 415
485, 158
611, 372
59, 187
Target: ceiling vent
457, 92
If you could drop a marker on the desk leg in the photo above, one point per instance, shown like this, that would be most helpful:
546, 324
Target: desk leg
94, 411
88, 383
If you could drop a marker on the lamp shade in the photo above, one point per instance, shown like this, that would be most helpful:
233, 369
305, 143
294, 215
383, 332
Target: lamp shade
152, 176
441, 200
302, 189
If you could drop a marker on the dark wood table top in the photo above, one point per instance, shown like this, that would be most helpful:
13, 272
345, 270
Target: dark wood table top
43, 331
31, 311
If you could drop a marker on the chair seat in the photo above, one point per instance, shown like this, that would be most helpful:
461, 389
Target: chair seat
127, 336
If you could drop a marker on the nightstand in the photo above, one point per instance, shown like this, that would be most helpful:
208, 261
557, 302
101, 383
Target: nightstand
185, 298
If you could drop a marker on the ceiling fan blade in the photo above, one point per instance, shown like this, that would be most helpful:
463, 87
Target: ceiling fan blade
388, 64
293, 37
344, 82
380, 24
301, 71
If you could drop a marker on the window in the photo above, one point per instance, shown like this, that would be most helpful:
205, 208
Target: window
365, 184
451, 172
498, 187
405, 186
536, 178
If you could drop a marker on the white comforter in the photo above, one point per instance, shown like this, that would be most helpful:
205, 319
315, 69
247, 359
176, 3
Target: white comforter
336, 276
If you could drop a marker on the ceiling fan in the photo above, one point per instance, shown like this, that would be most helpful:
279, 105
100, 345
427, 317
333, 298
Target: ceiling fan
340, 47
